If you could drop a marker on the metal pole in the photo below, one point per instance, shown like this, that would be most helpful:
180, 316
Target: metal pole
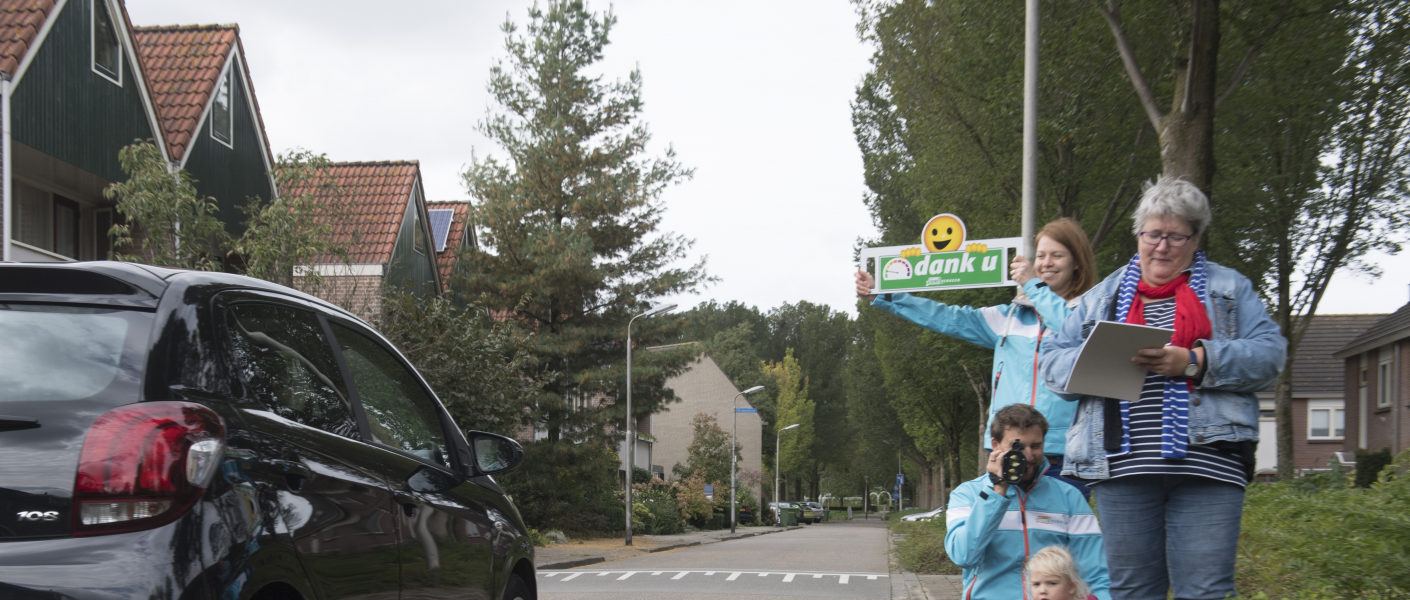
631, 443
733, 440
1030, 130
778, 518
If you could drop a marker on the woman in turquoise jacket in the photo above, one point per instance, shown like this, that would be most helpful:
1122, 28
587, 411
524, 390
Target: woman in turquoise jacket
1062, 271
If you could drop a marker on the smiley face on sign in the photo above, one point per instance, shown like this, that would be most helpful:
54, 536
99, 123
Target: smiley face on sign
944, 233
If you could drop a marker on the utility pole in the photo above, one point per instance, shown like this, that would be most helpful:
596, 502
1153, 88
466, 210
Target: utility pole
1030, 130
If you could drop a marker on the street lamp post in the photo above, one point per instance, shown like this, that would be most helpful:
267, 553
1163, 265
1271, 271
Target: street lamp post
631, 438
733, 444
866, 495
776, 447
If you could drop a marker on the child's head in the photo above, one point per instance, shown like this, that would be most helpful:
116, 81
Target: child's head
1052, 575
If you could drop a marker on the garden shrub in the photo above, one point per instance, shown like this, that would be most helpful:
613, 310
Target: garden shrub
922, 551
1322, 537
1369, 465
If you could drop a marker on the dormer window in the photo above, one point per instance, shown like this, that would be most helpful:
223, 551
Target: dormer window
220, 109
107, 53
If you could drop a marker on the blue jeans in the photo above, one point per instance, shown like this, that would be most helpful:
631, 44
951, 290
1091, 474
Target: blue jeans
1055, 471
1170, 531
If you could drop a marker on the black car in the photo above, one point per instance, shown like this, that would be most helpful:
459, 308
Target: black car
174, 434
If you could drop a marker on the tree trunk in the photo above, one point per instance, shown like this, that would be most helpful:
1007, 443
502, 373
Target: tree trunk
1187, 133
1287, 470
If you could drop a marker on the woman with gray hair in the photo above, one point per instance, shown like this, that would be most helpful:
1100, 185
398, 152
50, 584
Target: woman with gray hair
1169, 469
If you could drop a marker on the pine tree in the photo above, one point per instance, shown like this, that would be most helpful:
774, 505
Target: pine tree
567, 222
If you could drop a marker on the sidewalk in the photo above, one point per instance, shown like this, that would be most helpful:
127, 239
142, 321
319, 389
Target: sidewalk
910, 586
578, 553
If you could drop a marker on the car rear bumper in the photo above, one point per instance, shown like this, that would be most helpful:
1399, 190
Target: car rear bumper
109, 567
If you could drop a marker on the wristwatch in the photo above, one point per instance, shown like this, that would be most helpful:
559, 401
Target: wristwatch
1192, 369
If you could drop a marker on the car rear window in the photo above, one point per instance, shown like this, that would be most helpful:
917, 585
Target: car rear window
54, 352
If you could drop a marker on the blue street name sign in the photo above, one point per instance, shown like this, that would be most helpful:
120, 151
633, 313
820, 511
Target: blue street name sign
746, 410
900, 479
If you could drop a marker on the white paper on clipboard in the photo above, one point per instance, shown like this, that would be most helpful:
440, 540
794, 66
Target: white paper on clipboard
1104, 366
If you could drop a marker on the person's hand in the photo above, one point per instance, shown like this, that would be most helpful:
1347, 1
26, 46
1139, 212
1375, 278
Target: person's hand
994, 462
865, 282
1169, 361
1020, 270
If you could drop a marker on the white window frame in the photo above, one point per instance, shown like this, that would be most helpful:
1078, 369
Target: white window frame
226, 81
1385, 373
93, 41
1332, 407
1362, 405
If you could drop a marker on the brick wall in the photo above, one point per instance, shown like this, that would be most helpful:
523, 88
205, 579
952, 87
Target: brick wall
360, 295
1352, 393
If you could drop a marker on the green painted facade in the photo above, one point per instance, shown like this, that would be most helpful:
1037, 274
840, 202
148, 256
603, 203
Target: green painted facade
408, 266
231, 174
63, 108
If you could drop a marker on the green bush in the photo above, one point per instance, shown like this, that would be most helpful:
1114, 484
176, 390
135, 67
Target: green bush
665, 516
1321, 537
1369, 465
923, 549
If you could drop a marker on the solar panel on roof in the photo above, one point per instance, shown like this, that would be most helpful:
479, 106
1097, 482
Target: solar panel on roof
440, 226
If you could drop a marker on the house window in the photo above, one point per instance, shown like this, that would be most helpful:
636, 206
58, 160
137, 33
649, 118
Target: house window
1326, 423
220, 109
420, 243
46, 221
107, 53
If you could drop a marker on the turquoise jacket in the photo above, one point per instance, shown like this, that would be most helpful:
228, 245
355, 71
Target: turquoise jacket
1245, 353
1012, 332
990, 536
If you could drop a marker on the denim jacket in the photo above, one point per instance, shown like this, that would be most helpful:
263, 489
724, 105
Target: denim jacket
1245, 354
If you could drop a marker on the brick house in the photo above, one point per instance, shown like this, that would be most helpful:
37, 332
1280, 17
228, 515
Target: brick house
381, 219
1318, 396
704, 388
1375, 365
78, 83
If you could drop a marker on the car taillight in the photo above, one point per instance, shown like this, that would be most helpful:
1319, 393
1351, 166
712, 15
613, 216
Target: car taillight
144, 465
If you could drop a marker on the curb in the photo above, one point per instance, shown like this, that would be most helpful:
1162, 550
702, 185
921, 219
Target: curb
671, 547
582, 562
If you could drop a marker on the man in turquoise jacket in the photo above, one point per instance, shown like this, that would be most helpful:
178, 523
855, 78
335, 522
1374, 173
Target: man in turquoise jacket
994, 526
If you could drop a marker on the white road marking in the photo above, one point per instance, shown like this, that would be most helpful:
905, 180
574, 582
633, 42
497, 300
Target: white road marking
817, 577
733, 576
628, 574
842, 579
680, 574
570, 577
602, 574
873, 577
549, 574
708, 573
656, 573
788, 578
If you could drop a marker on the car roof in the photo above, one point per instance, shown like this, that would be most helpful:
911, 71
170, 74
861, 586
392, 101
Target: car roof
107, 282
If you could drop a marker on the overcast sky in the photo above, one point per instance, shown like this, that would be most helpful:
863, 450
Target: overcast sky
753, 95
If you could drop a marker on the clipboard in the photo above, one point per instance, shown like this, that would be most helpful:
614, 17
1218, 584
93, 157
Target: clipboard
1104, 366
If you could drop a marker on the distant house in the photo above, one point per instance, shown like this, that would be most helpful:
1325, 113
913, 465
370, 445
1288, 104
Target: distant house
78, 84
704, 388
448, 223
381, 219
1375, 371
1318, 396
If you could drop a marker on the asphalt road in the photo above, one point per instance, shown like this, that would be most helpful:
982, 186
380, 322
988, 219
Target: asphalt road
830, 560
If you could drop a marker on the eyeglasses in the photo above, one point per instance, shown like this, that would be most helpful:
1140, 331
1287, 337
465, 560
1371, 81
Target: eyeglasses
1175, 240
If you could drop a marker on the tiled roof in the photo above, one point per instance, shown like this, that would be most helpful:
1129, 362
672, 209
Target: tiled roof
445, 259
182, 64
1314, 367
368, 214
20, 21
1386, 326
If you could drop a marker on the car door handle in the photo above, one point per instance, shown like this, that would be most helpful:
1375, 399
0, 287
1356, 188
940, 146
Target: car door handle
408, 503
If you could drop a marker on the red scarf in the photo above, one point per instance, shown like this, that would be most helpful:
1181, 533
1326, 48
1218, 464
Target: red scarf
1191, 320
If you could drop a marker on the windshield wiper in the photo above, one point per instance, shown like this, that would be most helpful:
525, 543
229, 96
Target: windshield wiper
17, 423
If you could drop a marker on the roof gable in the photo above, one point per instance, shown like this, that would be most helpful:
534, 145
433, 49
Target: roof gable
454, 234
1387, 329
370, 208
20, 22
1314, 367
183, 65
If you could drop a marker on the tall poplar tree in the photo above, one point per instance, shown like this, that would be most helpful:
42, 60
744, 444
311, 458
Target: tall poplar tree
795, 454
566, 218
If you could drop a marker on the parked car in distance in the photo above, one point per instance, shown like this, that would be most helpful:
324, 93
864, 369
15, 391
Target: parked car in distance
805, 513
924, 516
175, 434
817, 511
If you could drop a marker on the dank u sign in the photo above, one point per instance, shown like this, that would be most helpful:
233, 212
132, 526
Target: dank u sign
945, 260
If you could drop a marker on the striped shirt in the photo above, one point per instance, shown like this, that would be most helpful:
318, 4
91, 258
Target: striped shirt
1146, 422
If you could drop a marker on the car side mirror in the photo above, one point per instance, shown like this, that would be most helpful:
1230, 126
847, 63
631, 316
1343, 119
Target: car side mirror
494, 453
